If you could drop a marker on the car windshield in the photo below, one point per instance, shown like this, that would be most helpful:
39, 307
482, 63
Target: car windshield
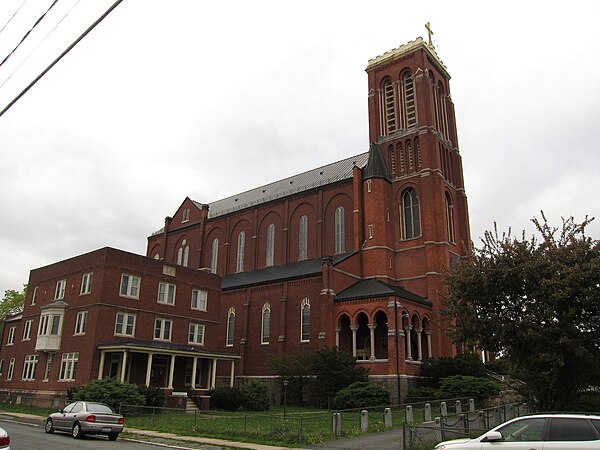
98, 408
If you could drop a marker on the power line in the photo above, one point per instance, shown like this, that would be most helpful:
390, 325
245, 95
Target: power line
27, 34
39, 44
13, 16
68, 49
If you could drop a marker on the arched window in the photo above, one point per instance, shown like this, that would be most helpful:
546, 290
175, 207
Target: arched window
389, 99
340, 232
183, 254
214, 259
230, 326
392, 154
241, 242
418, 151
266, 320
305, 320
412, 215
303, 238
270, 259
410, 109
411, 158
449, 218
401, 157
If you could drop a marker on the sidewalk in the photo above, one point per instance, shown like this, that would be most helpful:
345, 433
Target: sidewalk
163, 439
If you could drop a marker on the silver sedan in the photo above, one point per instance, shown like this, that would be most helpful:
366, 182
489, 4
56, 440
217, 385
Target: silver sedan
80, 418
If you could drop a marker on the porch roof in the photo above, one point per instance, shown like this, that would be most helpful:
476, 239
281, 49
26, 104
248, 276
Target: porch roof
165, 348
372, 288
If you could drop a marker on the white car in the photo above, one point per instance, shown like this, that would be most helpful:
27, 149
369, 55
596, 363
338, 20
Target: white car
4, 440
536, 432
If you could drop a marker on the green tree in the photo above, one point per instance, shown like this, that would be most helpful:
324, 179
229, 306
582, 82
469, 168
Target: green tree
12, 303
334, 369
537, 302
296, 369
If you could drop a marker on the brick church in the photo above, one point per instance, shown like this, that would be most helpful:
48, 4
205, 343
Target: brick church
351, 254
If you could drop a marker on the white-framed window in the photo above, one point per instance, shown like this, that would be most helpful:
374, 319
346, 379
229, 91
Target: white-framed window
125, 324
162, 329
11, 369
166, 293
450, 218
34, 296
305, 320
68, 366
196, 334
61, 287
10, 340
370, 228
241, 243
230, 326
86, 283
185, 215
369, 186
29, 367
270, 258
199, 299
340, 230
1, 366
49, 325
130, 286
48, 369
412, 214
266, 324
28, 325
183, 254
214, 257
81, 322
303, 238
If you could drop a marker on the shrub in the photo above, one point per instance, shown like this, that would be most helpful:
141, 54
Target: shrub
110, 391
334, 369
362, 394
422, 394
225, 397
468, 386
255, 396
154, 396
435, 370
587, 402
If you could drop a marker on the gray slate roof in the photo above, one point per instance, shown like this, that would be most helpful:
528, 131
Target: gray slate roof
373, 289
276, 274
321, 176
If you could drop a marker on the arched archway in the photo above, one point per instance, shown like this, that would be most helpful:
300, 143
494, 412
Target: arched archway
381, 335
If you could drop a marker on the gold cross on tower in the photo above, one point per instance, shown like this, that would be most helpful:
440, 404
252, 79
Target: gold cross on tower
430, 32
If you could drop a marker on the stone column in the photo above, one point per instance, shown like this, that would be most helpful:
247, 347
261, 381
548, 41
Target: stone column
213, 381
372, 338
101, 368
171, 372
337, 337
419, 332
429, 352
354, 328
149, 368
232, 373
194, 369
124, 366
408, 343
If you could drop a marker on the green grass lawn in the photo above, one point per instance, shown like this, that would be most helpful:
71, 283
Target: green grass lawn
299, 427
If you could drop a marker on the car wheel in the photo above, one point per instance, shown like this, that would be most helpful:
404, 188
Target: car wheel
113, 436
49, 428
76, 432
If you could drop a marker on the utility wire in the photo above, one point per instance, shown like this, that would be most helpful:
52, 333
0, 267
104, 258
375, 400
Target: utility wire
53, 63
27, 34
39, 44
13, 16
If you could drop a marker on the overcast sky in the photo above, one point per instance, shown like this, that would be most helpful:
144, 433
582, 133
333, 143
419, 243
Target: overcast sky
168, 99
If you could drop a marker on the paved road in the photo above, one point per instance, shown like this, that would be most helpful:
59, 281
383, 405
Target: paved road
385, 440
